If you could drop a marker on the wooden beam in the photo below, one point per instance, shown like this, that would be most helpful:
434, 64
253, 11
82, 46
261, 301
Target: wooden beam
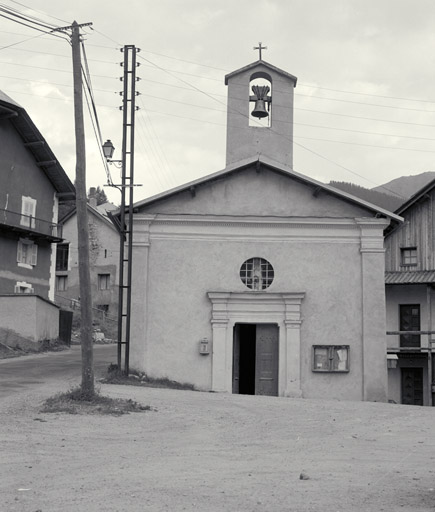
429, 355
46, 163
34, 144
8, 115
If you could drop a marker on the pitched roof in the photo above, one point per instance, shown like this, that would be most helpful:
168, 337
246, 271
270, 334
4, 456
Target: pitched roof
416, 197
37, 145
410, 277
276, 167
100, 212
257, 63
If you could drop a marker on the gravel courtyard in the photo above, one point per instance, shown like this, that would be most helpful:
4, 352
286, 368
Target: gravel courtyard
216, 452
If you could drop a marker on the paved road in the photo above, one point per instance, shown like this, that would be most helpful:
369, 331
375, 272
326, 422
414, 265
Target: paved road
23, 373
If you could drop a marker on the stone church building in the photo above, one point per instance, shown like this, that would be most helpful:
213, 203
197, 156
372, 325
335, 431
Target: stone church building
257, 279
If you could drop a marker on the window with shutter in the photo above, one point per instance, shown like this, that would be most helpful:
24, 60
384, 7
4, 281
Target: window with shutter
27, 253
28, 212
34, 257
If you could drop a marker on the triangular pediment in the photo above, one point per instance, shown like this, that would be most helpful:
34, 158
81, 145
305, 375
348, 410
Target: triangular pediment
259, 187
255, 65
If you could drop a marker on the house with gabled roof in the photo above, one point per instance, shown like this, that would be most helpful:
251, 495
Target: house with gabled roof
410, 281
32, 182
103, 259
258, 279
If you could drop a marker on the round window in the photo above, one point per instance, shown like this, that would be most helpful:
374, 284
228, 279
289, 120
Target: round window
257, 274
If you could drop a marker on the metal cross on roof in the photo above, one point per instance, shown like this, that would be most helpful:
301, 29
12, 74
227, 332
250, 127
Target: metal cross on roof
259, 48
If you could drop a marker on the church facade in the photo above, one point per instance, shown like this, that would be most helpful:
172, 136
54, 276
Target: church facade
257, 279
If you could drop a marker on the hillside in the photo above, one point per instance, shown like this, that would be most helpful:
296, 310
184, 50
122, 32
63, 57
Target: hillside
406, 186
387, 201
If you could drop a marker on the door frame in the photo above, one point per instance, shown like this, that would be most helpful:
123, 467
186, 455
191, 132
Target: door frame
413, 370
283, 309
237, 357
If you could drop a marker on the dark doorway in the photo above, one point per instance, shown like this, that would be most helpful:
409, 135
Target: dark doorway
255, 359
412, 386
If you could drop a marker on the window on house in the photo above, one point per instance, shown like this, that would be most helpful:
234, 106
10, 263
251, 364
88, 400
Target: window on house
409, 321
408, 256
61, 283
103, 281
257, 273
330, 358
28, 212
62, 253
23, 287
27, 253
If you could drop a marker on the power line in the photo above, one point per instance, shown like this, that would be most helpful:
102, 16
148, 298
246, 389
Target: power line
20, 42
296, 124
219, 110
300, 145
300, 84
94, 117
29, 26
40, 12
52, 69
362, 117
208, 95
367, 145
395, 107
53, 83
17, 14
60, 55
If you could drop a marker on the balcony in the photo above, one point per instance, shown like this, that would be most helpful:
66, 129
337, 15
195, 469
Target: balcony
30, 227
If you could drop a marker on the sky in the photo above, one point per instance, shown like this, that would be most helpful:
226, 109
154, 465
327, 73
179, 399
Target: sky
364, 101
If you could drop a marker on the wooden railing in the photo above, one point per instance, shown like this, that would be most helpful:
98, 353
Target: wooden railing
29, 223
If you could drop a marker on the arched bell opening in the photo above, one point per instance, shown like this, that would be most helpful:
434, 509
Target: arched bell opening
260, 100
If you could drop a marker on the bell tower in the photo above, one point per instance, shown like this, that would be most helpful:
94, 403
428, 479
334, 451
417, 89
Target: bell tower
260, 113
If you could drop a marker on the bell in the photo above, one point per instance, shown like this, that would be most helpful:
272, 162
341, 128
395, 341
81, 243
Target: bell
259, 110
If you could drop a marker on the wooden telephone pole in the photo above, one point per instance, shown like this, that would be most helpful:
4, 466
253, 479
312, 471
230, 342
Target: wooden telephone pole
88, 388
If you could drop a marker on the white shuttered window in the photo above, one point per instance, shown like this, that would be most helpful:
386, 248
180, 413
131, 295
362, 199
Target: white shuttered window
27, 253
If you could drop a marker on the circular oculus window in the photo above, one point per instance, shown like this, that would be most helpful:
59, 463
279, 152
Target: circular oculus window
256, 273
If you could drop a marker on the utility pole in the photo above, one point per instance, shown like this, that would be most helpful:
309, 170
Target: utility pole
126, 221
88, 388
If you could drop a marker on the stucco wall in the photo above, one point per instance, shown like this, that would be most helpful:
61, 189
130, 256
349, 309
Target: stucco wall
20, 176
11, 272
28, 317
248, 192
243, 140
104, 259
335, 259
179, 310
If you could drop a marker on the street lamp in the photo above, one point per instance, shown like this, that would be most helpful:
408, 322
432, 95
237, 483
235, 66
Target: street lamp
108, 150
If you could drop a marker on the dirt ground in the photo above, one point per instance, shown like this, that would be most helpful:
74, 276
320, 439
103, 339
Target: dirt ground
216, 452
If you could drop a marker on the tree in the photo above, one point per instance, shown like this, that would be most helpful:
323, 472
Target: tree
99, 195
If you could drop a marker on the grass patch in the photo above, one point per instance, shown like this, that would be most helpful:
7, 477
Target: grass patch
24, 347
77, 402
141, 379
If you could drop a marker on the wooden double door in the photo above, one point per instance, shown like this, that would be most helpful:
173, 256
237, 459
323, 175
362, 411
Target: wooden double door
255, 359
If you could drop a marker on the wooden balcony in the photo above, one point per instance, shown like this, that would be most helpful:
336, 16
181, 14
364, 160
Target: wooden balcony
30, 227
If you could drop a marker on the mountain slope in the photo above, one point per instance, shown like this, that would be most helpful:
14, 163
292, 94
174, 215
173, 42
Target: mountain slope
406, 186
387, 201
